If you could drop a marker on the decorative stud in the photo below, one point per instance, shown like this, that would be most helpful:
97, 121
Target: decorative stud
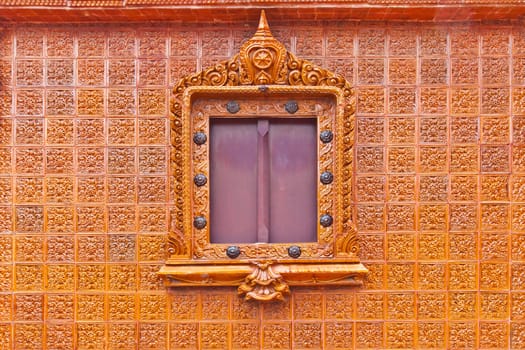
233, 251
200, 180
326, 220
200, 138
327, 178
326, 136
199, 222
233, 107
294, 251
291, 107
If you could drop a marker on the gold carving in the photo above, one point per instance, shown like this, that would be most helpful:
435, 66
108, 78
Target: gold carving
263, 58
263, 76
264, 284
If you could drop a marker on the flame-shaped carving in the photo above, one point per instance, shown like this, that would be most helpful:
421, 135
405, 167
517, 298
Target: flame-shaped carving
347, 242
263, 58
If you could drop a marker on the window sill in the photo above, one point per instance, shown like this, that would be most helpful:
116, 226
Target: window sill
264, 280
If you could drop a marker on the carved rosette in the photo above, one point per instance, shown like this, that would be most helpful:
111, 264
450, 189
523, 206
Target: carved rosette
263, 66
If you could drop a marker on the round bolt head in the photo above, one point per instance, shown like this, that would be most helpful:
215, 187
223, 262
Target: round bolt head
327, 178
233, 251
326, 136
294, 251
199, 222
233, 107
199, 138
326, 220
200, 180
291, 107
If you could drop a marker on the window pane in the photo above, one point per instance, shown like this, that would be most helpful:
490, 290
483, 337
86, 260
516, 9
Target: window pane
293, 177
233, 180
248, 164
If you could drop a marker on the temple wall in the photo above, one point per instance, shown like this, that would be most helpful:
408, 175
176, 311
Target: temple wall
439, 189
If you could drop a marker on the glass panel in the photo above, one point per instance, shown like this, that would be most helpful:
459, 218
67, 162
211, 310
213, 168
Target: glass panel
293, 177
263, 180
233, 180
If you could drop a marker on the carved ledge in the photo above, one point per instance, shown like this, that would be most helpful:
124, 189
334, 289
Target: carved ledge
264, 280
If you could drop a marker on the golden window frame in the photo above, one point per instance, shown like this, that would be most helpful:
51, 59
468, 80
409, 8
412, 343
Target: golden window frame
263, 74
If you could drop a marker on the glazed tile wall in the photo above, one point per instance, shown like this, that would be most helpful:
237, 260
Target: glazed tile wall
439, 190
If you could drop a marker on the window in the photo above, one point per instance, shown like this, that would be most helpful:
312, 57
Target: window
262, 163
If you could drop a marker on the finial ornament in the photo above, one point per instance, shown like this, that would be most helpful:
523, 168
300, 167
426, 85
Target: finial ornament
262, 58
264, 28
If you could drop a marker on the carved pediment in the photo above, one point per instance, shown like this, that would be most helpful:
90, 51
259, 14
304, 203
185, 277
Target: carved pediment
262, 60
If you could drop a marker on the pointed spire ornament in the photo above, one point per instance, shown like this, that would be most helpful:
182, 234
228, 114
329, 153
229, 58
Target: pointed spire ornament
262, 58
263, 30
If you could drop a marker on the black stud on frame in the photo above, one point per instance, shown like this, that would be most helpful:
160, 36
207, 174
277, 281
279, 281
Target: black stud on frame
233, 107
291, 107
199, 222
326, 220
199, 138
326, 178
200, 180
233, 251
294, 251
326, 136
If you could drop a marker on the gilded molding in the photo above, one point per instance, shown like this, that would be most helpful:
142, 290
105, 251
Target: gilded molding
207, 3
90, 11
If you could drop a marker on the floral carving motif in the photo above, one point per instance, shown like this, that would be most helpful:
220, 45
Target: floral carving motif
60, 72
371, 71
121, 102
431, 335
59, 131
431, 306
434, 42
432, 276
152, 131
369, 334
59, 219
121, 131
29, 72
264, 284
433, 71
276, 336
121, 72
60, 102
60, 248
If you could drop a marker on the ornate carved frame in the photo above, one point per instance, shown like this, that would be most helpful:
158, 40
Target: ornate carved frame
262, 77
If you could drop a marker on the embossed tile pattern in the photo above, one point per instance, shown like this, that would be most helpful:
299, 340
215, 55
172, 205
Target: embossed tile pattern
439, 190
